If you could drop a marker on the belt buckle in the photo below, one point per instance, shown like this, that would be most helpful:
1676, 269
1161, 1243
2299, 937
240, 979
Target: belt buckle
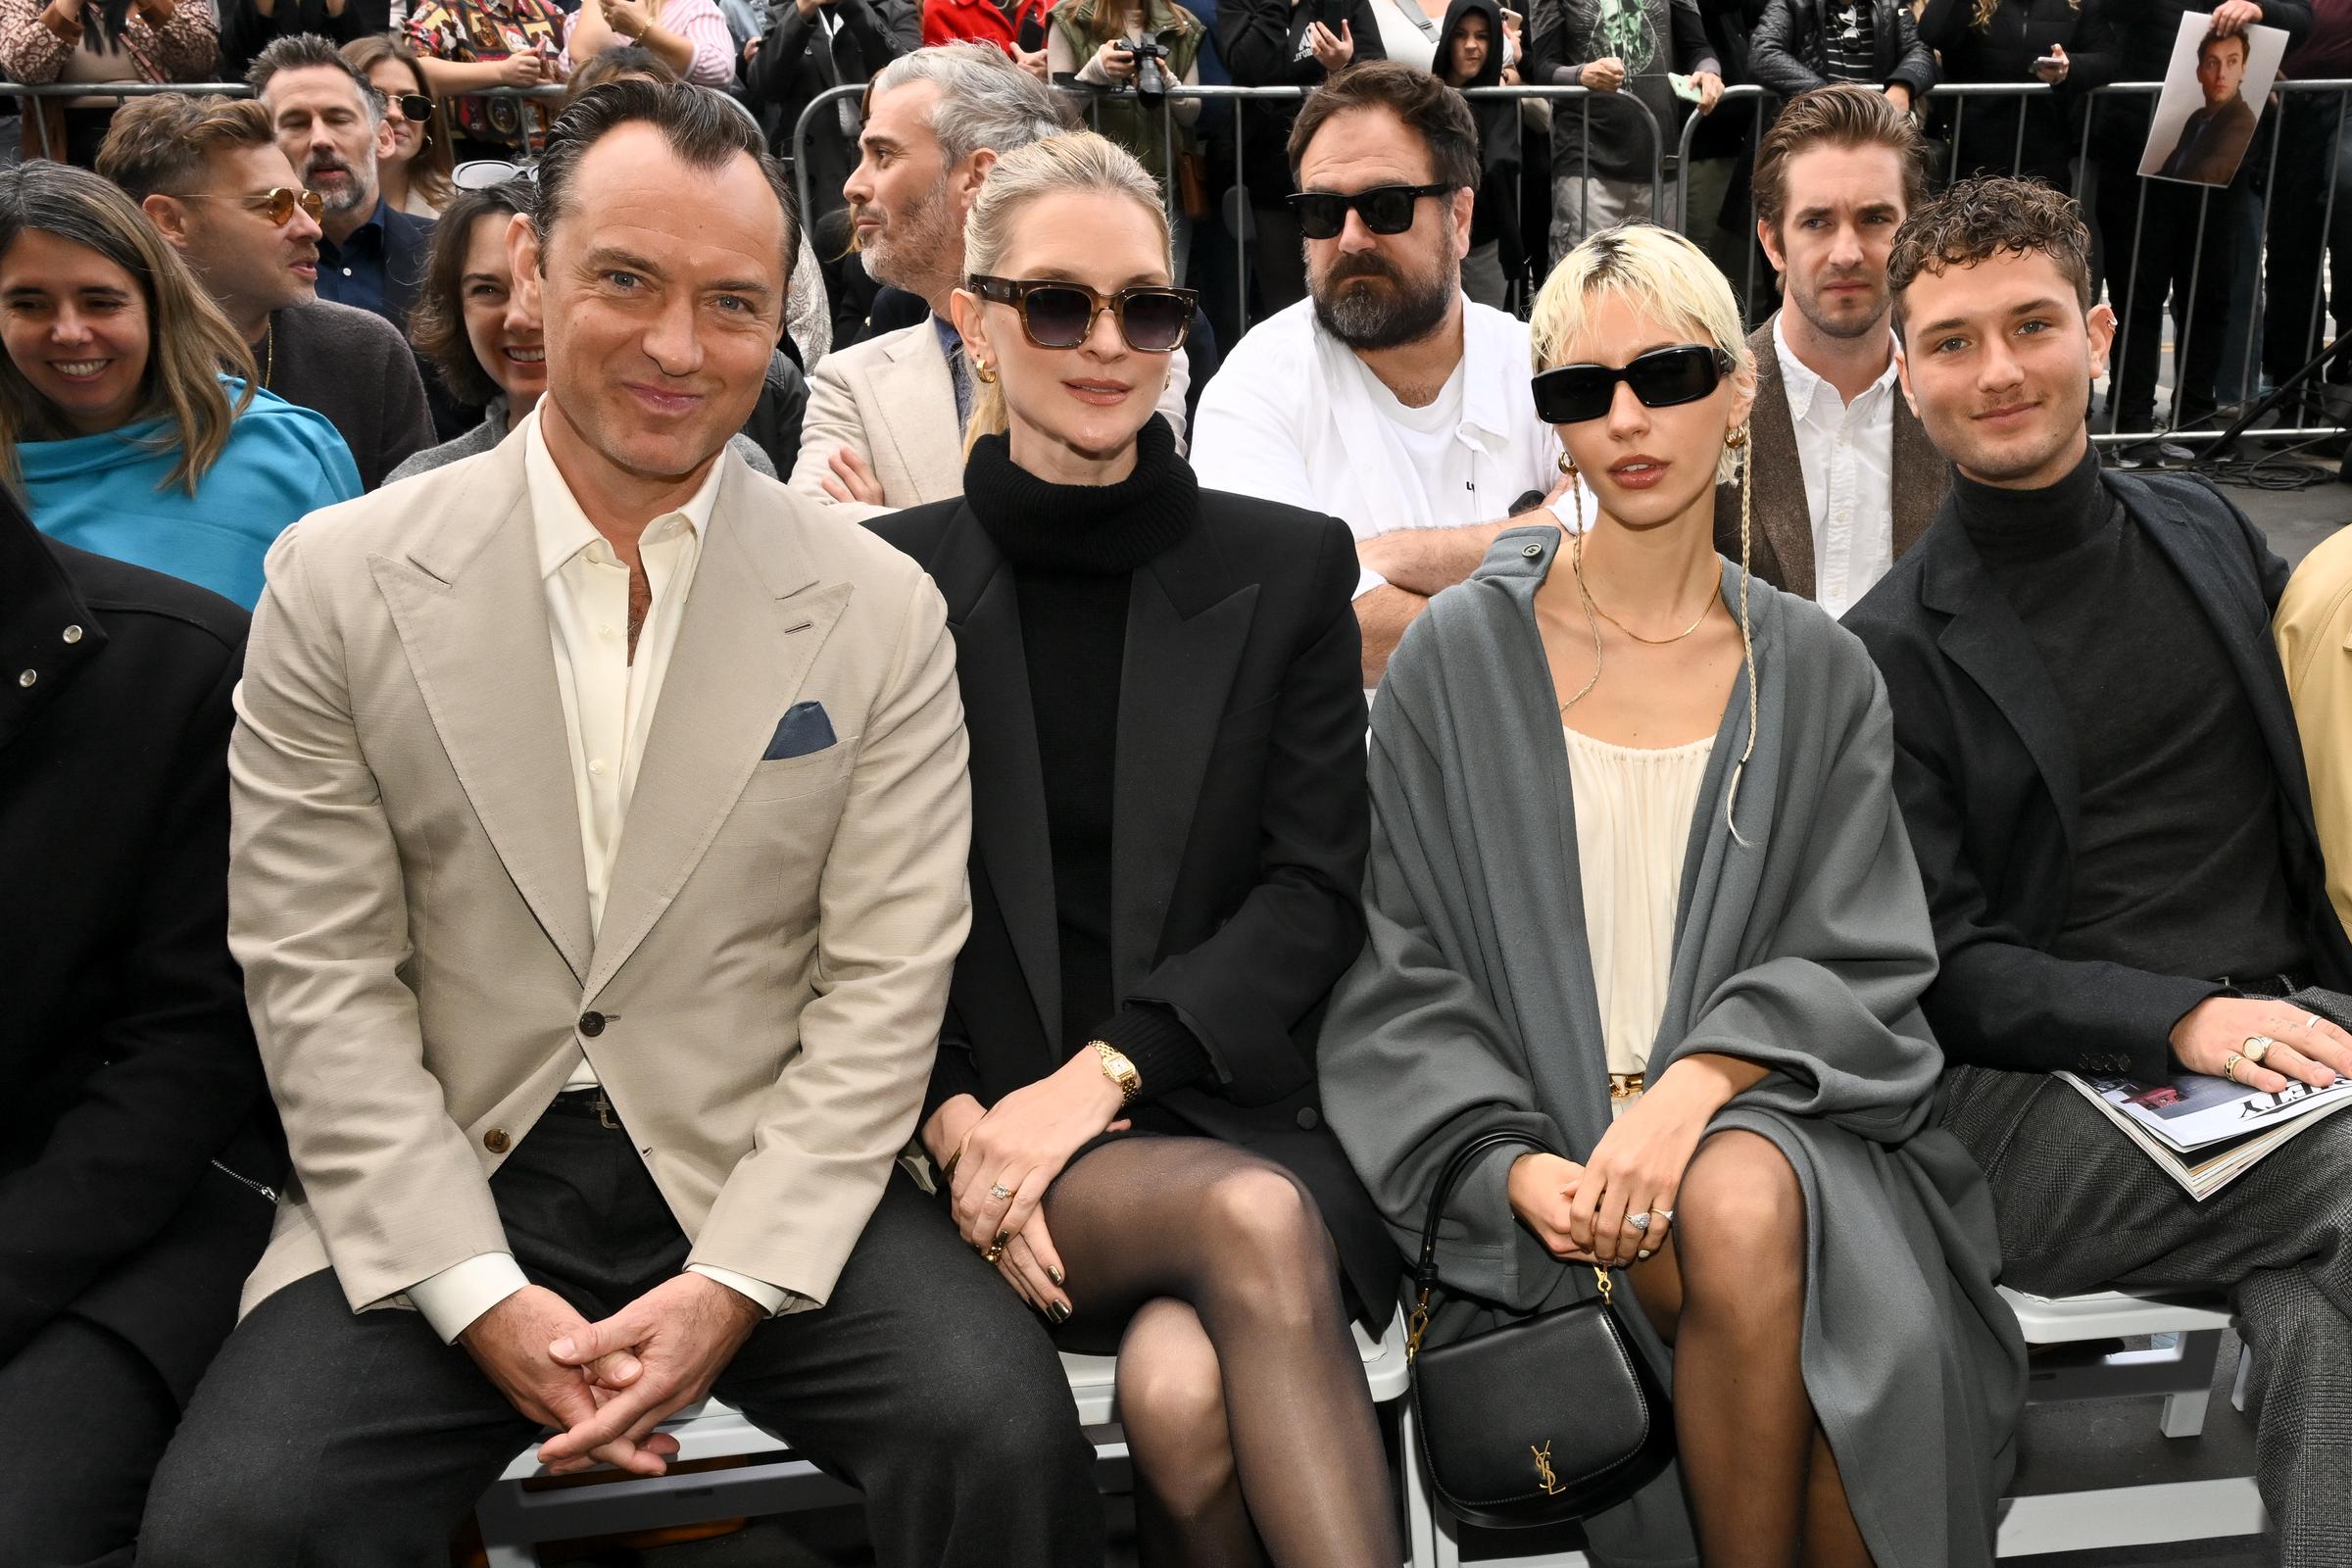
1625, 1085
604, 1111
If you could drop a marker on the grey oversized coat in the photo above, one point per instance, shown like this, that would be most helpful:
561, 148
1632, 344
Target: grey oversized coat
1805, 950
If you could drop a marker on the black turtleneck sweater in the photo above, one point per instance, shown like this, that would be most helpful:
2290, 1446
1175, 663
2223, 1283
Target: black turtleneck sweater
2178, 869
1074, 551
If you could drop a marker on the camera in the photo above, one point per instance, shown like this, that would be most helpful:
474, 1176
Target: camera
1151, 71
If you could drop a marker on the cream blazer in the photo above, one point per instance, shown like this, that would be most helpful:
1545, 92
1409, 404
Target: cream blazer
2313, 627
408, 899
891, 400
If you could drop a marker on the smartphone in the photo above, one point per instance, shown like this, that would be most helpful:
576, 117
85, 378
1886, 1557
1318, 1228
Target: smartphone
2046, 62
1683, 87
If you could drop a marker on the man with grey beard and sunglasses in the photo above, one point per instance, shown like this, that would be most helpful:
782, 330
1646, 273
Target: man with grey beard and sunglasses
1387, 396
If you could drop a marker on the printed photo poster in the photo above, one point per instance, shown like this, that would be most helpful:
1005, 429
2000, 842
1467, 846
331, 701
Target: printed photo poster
2214, 93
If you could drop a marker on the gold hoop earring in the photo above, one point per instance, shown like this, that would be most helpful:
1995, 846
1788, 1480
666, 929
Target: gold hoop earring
1736, 439
985, 375
1567, 464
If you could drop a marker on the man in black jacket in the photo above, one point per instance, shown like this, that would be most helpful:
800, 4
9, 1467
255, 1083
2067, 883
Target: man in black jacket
810, 47
137, 1151
1801, 44
2103, 783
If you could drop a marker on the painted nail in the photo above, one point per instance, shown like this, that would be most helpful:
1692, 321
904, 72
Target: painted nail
1053, 1273
1057, 1313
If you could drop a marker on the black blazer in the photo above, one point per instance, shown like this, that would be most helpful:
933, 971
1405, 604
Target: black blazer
796, 60
1986, 770
1240, 826
130, 1064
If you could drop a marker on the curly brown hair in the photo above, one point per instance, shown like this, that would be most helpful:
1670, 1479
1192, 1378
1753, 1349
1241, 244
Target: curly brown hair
1979, 219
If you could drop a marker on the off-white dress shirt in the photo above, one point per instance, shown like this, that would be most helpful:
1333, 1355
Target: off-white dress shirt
608, 701
1847, 451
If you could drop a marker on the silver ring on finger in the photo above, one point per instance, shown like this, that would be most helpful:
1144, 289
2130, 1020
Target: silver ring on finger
1666, 1214
999, 1191
2312, 1022
1638, 1222
2258, 1047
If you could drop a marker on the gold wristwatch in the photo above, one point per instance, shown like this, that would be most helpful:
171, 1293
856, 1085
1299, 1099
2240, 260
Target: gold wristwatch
1119, 1070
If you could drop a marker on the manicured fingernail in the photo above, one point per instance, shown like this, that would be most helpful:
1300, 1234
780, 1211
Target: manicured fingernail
1640, 1256
1057, 1313
1055, 1274
562, 1349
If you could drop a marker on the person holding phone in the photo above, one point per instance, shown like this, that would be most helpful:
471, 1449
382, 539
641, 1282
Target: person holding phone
2061, 43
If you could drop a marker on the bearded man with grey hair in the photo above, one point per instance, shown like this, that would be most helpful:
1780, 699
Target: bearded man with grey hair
1387, 396
885, 422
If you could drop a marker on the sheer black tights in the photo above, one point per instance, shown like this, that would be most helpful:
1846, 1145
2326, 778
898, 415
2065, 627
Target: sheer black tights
1240, 1386
1727, 1291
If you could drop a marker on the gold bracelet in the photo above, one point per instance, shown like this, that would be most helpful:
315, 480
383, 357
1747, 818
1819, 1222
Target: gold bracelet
1119, 1070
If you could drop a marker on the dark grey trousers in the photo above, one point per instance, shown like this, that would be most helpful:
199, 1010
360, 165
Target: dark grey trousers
2083, 1209
100, 1415
327, 1439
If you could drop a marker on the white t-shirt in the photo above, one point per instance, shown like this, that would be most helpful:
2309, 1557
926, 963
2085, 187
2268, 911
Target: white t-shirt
1295, 416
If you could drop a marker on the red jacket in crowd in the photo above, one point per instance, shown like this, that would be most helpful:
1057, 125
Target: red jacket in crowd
1017, 21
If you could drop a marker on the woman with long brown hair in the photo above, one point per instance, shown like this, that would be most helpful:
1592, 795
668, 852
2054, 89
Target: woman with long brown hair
414, 176
118, 427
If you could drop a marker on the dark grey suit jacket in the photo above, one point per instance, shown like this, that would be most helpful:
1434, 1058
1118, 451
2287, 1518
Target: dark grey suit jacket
1782, 548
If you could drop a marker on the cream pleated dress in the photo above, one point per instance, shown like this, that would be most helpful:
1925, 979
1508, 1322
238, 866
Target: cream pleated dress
1633, 807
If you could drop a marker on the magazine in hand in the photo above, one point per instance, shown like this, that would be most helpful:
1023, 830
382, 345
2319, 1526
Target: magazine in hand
2206, 1132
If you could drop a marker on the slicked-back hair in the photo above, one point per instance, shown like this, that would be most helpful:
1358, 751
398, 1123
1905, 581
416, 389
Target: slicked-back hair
1841, 115
1433, 111
985, 100
437, 323
1978, 220
189, 342
700, 129
308, 51
160, 145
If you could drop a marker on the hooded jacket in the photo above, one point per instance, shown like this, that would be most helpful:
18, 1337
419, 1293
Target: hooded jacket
1497, 119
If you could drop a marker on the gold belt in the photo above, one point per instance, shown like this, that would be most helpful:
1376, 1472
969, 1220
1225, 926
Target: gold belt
1625, 1085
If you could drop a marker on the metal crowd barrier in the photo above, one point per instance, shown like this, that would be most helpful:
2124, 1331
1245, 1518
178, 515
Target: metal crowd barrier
119, 90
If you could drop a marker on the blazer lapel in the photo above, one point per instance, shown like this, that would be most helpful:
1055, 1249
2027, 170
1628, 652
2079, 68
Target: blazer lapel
753, 627
1986, 640
927, 440
1920, 477
473, 621
1779, 501
1009, 784
1185, 634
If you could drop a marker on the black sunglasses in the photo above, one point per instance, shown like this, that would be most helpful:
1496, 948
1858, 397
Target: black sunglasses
1571, 394
1386, 209
415, 106
1152, 319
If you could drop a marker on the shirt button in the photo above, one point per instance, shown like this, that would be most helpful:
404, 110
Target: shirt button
596, 767
347, 272
604, 632
73, 634
29, 677
592, 1024
495, 1140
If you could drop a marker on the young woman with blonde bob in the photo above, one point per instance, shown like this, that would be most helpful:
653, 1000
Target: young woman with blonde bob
1638, 888
1161, 693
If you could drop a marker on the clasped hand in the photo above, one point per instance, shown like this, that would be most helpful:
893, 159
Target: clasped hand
1581, 1213
605, 1386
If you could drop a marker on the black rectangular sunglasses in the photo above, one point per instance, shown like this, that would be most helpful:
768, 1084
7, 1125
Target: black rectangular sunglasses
1386, 209
1152, 319
1571, 394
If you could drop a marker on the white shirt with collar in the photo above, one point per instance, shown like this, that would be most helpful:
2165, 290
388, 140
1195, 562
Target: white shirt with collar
1294, 416
608, 699
1847, 453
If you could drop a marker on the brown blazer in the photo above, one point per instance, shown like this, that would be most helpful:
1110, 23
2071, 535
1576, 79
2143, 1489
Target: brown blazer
1782, 544
408, 896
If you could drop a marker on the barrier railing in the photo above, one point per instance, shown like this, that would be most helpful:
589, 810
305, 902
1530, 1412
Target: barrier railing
119, 90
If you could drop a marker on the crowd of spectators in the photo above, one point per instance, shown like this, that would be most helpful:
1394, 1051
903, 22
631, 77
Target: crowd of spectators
1275, 353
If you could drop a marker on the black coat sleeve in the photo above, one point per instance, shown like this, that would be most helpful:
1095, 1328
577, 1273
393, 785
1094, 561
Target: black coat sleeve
180, 1073
768, 75
1914, 62
1776, 52
1253, 38
1248, 987
1692, 49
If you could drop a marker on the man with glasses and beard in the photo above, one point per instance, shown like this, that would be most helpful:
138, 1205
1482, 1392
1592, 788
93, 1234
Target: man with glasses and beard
1387, 396
208, 175
884, 428
1846, 480
330, 122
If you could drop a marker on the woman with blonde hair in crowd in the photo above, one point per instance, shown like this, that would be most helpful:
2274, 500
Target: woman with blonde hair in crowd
1639, 894
1162, 692
414, 176
117, 425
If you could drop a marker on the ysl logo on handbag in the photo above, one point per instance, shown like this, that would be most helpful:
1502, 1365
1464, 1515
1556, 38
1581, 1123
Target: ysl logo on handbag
1551, 1483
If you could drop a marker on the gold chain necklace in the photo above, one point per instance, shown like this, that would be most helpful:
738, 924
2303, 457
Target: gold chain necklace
1654, 642
270, 358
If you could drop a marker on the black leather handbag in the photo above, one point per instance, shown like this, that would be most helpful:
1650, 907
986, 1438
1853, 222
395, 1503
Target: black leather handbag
1545, 1419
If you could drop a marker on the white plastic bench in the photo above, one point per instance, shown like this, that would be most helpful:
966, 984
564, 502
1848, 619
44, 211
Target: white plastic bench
513, 1520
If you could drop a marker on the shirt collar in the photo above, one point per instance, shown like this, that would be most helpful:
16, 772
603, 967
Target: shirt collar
562, 528
1803, 386
1492, 369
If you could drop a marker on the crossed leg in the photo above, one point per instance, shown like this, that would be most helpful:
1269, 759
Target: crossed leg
1726, 1289
1239, 1384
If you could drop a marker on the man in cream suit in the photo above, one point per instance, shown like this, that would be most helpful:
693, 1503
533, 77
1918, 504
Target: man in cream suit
884, 427
600, 822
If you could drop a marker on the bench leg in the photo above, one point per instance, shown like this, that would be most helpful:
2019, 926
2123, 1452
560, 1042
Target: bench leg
2245, 1375
2184, 1411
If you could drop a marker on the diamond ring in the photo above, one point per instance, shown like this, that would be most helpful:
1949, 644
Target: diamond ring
999, 1191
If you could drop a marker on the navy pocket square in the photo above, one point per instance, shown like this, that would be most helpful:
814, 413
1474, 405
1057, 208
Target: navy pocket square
803, 729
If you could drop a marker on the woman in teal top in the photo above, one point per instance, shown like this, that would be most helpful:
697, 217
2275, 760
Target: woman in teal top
117, 424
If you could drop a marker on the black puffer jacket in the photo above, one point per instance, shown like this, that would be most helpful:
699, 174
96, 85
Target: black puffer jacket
1788, 53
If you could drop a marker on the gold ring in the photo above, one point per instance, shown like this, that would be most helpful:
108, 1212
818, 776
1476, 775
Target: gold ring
2230, 1065
999, 1191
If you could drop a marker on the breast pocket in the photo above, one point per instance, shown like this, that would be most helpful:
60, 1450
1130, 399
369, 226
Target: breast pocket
791, 777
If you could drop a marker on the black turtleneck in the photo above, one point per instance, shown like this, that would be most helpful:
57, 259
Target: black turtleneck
1074, 551
2178, 869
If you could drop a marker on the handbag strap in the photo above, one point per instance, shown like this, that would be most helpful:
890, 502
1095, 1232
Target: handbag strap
1425, 1271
